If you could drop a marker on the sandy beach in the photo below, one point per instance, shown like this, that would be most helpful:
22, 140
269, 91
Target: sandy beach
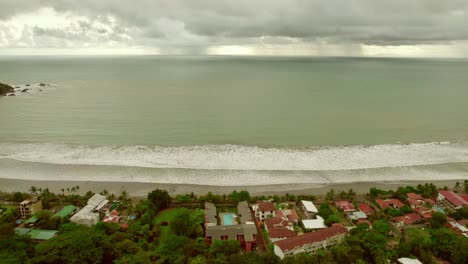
141, 189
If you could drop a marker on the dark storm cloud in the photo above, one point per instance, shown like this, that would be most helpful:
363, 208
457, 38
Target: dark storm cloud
192, 24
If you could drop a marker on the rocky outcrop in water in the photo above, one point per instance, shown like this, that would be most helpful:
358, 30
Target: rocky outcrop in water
5, 89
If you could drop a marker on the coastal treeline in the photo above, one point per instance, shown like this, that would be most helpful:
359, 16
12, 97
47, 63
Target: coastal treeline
167, 229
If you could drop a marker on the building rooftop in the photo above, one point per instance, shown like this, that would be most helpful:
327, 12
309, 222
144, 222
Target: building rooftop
453, 198
309, 206
309, 238
365, 208
384, 204
414, 196
289, 214
36, 234
281, 232
244, 212
66, 211
408, 219
210, 213
232, 231
271, 223
314, 223
409, 261
265, 206
95, 203
345, 205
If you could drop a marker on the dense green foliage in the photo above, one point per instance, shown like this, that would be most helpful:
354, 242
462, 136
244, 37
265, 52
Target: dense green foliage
164, 234
4, 89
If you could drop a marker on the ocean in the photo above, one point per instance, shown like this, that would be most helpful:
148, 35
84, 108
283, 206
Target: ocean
231, 121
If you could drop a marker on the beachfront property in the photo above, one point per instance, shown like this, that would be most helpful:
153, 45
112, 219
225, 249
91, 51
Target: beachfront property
365, 208
232, 227
264, 209
317, 223
451, 200
28, 207
310, 242
90, 214
288, 214
345, 206
309, 208
394, 203
407, 219
279, 228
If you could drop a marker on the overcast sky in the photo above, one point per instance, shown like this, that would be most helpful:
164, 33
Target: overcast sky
414, 28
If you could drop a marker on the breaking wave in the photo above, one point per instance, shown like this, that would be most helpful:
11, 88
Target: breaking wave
241, 158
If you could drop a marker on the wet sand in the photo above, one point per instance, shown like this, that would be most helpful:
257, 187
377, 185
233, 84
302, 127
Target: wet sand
137, 189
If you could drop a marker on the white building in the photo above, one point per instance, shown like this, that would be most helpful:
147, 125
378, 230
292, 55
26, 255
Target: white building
309, 207
264, 210
314, 223
409, 261
89, 215
310, 242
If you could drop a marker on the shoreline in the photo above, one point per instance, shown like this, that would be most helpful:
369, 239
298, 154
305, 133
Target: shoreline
141, 189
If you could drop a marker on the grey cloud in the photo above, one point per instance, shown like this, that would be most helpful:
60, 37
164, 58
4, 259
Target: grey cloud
179, 24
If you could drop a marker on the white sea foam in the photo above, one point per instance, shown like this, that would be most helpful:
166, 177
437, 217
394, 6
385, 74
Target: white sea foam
235, 157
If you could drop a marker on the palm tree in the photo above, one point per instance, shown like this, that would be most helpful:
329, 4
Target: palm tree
104, 192
33, 189
73, 189
63, 191
457, 186
77, 188
68, 190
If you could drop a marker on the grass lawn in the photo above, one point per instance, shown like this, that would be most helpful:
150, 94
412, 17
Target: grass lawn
165, 216
343, 219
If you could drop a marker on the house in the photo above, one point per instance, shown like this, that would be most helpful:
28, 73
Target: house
317, 223
210, 214
309, 208
354, 216
90, 215
457, 227
112, 217
394, 203
362, 221
289, 214
451, 200
279, 229
29, 207
310, 242
365, 208
424, 212
264, 209
407, 219
345, 206
66, 211
414, 196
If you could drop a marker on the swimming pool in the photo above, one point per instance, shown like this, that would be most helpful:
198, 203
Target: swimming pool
228, 219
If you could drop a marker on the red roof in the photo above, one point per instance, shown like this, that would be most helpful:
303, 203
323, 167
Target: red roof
429, 201
414, 196
365, 208
384, 204
110, 219
453, 198
272, 223
309, 238
281, 232
360, 221
408, 219
290, 214
345, 205
464, 197
266, 206
114, 213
